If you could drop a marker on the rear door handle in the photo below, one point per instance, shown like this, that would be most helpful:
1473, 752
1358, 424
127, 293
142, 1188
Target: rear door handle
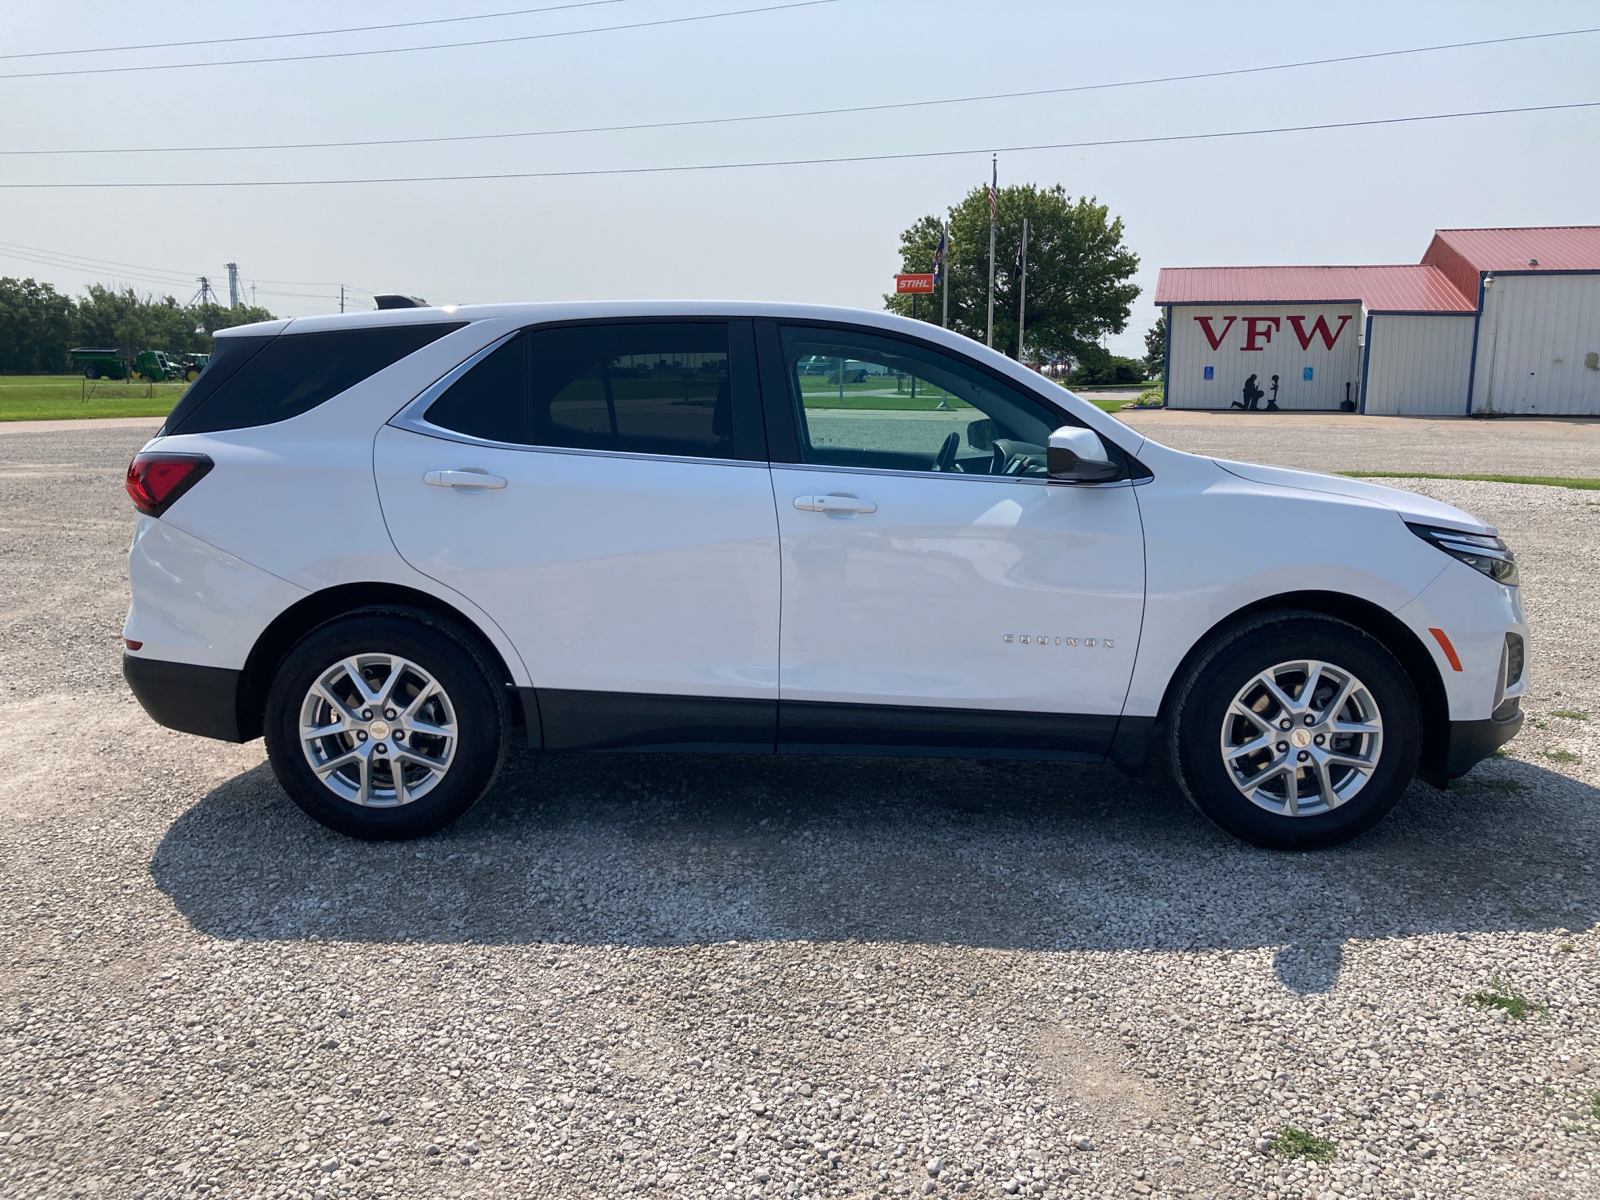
834, 503
466, 481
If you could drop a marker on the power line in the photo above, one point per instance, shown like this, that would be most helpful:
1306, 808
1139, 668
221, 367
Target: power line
809, 162
157, 276
100, 263
498, 41
812, 112
271, 37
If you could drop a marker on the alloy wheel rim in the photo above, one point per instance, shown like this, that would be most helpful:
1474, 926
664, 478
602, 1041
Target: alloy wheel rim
378, 730
1302, 738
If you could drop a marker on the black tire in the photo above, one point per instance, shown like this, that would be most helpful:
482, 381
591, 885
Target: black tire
1204, 695
474, 695
91, 372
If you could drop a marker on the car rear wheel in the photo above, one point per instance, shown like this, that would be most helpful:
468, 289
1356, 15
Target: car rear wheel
385, 725
1295, 731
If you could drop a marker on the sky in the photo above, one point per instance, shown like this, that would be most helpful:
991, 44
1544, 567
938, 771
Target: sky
823, 233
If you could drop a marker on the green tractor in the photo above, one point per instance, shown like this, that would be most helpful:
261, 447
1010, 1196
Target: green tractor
146, 366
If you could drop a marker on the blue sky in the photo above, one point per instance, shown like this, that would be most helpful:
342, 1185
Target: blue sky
813, 233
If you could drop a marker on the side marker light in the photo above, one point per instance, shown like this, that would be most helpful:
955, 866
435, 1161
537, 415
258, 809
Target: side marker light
1449, 650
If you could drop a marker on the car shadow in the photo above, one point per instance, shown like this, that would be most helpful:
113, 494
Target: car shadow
651, 850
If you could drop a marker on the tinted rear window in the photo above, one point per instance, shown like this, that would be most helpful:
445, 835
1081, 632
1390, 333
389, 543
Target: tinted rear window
231, 354
491, 400
293, 373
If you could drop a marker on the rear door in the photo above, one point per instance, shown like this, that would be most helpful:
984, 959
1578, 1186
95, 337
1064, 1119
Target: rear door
624, 534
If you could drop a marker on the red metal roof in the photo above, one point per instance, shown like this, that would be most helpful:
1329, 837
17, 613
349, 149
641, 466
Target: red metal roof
1556, 247
1422, 288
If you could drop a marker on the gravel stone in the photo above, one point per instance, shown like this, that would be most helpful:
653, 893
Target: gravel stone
706, 977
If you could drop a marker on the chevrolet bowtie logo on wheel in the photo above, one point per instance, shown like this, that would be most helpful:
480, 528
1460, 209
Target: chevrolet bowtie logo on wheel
1039, 639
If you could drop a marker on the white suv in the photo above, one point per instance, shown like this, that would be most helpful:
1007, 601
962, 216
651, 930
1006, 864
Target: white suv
394, 542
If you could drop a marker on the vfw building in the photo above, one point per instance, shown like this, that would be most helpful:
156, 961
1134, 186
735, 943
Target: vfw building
1491, 321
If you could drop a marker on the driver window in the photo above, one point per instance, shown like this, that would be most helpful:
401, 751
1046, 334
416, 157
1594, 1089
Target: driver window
870, 401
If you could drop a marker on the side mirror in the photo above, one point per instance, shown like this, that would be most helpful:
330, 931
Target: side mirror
980, 434
1079, 456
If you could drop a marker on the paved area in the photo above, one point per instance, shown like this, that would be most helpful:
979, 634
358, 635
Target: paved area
738, 977
1548, 446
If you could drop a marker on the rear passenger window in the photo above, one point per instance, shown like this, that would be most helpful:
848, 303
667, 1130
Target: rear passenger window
646, 388
491, 400
293, 373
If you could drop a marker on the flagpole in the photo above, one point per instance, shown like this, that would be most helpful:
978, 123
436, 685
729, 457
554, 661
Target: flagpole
993, 200
1022, 301
944, 273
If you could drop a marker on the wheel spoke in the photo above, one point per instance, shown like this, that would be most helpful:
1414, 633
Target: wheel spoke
353, 669
1308, 690
1338, 701
1277, 693
1249, 714
333, 764
338, 705
1325, 790
427, 730
1261, 743
1354, 761
1356, 727
430, 764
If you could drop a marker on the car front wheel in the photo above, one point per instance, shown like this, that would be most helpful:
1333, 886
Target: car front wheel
1295, 732
385, 725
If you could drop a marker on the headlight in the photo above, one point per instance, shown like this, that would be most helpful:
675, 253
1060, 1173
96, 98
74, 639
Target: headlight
1480, 551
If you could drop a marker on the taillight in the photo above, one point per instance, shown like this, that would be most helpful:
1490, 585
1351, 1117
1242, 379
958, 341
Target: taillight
155, 481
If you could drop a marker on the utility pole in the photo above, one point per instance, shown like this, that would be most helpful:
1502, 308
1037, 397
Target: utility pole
994, 200
205, 290
1022, 300
233, 285
341, 297
944, 271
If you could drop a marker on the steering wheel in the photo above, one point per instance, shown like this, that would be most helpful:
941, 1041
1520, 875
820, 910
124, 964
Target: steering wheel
945, 460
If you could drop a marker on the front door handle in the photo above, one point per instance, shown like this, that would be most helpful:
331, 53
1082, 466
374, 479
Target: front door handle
466, 481
835, 502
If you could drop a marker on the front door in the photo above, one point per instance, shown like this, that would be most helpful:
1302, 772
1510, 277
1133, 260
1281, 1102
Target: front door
624, 537
939, 593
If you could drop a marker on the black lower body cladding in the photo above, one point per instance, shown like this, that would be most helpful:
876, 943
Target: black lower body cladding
185, 697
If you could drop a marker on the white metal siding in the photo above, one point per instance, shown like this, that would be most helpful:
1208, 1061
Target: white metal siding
1534, 334
1419, 365
1282, 355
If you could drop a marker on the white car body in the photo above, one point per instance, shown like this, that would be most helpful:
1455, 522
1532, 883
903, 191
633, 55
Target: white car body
641, 601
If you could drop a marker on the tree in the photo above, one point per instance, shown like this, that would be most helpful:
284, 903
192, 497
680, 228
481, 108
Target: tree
37, 324
1078, 271
1155, 348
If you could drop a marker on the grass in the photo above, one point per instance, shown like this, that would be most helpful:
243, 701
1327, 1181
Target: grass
1570, 714
1297, 1143
1587, 485
1594, 1105
1502, 996
1561, 756
68, 397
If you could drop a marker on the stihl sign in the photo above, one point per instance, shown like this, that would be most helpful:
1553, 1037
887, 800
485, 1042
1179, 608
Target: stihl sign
1258, 331
913, 283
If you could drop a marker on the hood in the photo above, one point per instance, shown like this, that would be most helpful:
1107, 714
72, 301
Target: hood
1410, 505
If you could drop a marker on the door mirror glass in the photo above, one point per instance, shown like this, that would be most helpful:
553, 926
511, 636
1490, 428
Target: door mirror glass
1079, 456
980, 434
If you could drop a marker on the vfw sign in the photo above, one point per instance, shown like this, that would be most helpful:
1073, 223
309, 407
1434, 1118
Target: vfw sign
1258, 331
1268, 355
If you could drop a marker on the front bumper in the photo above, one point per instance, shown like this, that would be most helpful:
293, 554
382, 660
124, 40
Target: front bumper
1473, 741
185, 697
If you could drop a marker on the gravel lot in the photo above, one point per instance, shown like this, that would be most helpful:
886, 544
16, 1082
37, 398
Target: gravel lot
735, 977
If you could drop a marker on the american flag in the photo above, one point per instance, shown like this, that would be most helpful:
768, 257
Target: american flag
938, 256
994, 195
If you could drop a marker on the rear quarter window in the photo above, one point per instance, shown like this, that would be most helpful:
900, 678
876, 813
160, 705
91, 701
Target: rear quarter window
283, 376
